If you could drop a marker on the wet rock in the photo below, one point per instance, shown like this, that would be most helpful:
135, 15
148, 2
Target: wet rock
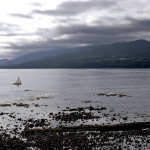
58, 138
5, 105
1, 113
112, 94
27, 90
36, 105
21, 105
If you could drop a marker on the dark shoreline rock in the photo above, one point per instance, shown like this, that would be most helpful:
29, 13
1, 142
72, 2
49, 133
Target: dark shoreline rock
91, 137
113, 94
103, 128
42, 135
85, 137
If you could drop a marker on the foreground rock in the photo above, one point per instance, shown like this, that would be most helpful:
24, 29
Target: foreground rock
102, 128
83, 140
85, 137
113, 94
119, 137
39, 134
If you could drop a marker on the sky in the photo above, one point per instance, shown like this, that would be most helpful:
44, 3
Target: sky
38, 25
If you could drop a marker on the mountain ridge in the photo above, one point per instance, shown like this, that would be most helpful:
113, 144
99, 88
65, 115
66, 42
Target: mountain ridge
133, 54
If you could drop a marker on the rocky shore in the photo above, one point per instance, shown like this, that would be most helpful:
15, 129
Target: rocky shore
38, 134
72, 128
119, 137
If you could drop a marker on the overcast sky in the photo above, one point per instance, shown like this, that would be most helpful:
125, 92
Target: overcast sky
33, 25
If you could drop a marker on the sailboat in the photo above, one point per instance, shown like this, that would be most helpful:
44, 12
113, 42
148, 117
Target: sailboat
18, 82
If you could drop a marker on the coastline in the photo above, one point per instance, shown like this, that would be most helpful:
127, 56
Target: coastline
38, 134
119, 136
75, 109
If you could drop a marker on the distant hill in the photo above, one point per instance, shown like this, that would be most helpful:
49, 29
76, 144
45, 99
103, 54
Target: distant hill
3, 62
34, 56
134, 54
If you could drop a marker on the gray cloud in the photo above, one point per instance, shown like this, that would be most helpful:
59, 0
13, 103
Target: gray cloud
140, 25
36, 4
113, 22
16, 34
84, 34
21, 15
137, 26
6, 27
71, 8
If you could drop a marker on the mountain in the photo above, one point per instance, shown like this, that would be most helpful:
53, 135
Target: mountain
134, 54
34, 56
3, 62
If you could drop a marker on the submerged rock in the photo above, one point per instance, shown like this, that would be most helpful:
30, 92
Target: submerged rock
112, 94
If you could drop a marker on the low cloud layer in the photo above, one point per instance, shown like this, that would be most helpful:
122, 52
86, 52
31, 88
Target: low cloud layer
71, 23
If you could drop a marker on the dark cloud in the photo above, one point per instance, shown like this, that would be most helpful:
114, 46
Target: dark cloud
84, 34
110, 22
134, 27
21, 15
39, 46
140, 25
97, 30
71, 8
55, 12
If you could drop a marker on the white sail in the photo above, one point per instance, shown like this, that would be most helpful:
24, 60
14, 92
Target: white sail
18, 82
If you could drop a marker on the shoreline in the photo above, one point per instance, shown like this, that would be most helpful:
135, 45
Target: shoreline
102, 128
40, 134
119, 136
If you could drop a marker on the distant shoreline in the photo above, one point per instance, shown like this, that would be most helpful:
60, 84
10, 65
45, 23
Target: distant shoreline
75, 68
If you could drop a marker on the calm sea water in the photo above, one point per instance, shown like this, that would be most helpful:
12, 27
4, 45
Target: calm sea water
61, 88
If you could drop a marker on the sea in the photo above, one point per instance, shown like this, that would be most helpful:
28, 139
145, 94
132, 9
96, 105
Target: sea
54, 90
